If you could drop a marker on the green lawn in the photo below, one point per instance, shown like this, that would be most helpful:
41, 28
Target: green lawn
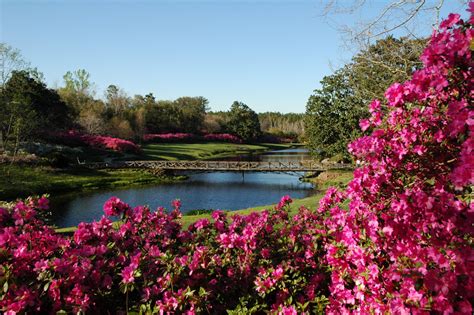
201, 151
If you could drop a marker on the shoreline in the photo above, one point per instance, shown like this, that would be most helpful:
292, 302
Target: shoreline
20, 181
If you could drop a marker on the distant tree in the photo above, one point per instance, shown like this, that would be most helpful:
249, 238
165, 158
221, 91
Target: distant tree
282, 124
29, 108
190, 113
159, 117
332, 116
77, 91
10, 60
92, 117
243, 122
120, 127
117, 100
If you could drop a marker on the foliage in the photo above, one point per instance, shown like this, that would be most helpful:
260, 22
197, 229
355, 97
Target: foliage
73, 137
185, 115
290, 124
334, 110
29, 108
169, 137
332, 116
243, 122
404, 243
160, 266
389, 60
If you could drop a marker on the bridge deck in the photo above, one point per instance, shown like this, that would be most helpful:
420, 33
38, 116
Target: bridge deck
233, 166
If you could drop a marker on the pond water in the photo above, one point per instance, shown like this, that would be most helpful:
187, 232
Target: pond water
216, 190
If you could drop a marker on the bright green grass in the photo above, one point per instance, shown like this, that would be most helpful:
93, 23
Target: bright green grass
201, 151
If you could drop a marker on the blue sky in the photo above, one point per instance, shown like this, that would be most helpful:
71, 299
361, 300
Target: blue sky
268, 54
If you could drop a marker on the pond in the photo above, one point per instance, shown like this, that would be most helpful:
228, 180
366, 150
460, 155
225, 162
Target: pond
216, 190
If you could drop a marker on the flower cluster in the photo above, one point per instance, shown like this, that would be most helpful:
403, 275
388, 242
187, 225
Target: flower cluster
169, 137
399, 239
223, 137
184, 137
243, 263
96, 141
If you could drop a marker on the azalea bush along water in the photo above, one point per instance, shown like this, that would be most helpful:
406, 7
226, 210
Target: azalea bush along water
398, 240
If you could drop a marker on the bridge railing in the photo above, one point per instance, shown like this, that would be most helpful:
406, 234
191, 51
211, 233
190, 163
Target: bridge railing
222, 165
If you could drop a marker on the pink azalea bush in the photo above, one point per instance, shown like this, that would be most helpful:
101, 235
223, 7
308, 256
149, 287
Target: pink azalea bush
398, 240
151, 263
404, 242
97, 141
224, 137
169, 137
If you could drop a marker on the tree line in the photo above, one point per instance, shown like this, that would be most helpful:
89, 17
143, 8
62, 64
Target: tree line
29, 109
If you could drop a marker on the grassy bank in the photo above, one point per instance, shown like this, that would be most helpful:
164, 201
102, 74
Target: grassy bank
202, 151
22, 181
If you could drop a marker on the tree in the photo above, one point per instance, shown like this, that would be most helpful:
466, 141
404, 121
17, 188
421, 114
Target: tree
332, 116
243, 122
10, 60
29, 108
334, 111
406, 17
389, 60
77, 91
117, 100
191, 112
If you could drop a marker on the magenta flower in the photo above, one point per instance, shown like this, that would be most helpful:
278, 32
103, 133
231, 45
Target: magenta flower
114, 207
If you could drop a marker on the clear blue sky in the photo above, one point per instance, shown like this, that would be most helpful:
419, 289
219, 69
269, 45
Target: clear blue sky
268, 54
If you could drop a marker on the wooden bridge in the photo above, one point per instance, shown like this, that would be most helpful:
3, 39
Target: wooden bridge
224, 166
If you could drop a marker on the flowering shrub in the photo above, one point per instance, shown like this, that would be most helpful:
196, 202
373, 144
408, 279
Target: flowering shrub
73, 137
150, 263
169, 137
224, 137
404, 242
398, 240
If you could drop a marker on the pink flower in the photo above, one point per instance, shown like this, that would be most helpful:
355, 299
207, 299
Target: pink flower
176, 204
114, 207
450, 21
127, 275
287, 310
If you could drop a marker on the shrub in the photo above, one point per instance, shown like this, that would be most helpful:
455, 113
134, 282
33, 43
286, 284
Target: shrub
75, 138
